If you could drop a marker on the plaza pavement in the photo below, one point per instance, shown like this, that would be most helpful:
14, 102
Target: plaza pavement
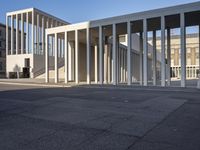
33, 117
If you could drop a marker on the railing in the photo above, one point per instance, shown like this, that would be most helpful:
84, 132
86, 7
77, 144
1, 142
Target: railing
42, 70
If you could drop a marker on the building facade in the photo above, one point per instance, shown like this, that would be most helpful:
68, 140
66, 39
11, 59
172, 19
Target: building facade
2, 50
137, 48
192, 56
92, 48
25, 52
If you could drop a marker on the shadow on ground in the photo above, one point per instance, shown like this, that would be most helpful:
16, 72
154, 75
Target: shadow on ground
91, 118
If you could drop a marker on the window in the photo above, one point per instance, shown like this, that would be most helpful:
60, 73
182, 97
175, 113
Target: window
172, 51
172, 62
197, 58
1, 66
27, 62
0, 44
0, 53
197, 50
188, 50
122, 39
0, 33
188, 61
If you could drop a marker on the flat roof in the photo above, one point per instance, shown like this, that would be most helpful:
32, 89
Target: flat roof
149, 14
189, 7
37, 10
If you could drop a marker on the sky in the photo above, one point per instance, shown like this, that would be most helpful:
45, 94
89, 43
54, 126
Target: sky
75, 11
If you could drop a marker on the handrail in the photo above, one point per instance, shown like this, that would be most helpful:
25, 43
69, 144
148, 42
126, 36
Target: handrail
42, 70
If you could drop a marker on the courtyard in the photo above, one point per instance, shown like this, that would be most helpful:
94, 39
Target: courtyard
99, 118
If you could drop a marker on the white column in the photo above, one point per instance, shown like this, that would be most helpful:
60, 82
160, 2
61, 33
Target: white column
17, 34
168, 57
105, 63
125, 66
154, 57
109, 55
27, 33
100, 55
96, 63
33, 31
121, 65
76, 57
183, 50
47, 58
47, 23
56, 58
52, 50
7, 34
22, 33
70, 60
114, 55
43, 35
37, 33
117, 60
88, 55
199, 51
66, 57
12, 35
141, 58
129, 53
163, 51
145, 56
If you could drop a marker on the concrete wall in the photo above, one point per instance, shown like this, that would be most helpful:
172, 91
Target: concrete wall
3, 50
39, 64
39, 71
15, 63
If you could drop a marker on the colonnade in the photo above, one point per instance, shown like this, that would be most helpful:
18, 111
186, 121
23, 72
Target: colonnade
125, 76
25, 31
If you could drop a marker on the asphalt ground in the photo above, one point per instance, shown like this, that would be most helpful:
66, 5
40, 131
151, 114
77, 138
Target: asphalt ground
99, 118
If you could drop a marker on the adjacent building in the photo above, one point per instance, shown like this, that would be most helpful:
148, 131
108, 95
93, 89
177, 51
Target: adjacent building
192, 56
2, 50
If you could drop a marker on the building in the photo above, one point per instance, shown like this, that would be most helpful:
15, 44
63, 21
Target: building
192, 56
93, 54
2, 50
26, 41
138, 48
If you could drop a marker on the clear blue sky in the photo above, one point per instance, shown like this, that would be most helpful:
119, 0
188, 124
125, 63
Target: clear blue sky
83, 10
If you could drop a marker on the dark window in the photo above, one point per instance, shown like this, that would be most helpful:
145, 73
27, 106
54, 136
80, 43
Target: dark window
0, 53
1, 66
0, 44
0, 33
27, 62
